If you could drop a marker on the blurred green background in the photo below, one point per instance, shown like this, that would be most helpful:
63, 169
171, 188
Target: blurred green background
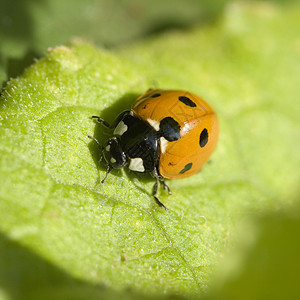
29, 27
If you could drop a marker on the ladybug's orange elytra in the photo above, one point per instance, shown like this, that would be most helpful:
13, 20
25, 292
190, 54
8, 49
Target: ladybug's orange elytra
199, 129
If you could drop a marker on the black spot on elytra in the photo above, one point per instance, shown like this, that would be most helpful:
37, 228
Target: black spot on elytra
155, 95
186, 168
169, 129
187, 101
203, 138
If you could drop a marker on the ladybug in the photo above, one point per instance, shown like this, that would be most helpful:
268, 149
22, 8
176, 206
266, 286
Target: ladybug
168, 133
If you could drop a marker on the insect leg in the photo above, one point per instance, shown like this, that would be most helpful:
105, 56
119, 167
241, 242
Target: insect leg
154, 191
95, 140
165, 186
116, 121
108, 169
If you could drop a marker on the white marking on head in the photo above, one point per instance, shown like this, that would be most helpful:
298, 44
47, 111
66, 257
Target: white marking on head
154, 124
163, 144
137, 164
121, 128
112, 160
107, 148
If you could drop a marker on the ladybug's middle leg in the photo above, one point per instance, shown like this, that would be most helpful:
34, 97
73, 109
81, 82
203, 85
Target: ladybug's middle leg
154, 191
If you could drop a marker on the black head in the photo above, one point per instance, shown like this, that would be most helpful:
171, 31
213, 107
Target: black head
113, 154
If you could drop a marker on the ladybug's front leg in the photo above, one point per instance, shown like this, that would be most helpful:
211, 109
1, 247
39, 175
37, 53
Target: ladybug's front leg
115, 123
102, 121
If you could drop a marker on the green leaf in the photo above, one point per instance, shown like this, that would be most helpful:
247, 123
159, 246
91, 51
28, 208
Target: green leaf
79, 234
